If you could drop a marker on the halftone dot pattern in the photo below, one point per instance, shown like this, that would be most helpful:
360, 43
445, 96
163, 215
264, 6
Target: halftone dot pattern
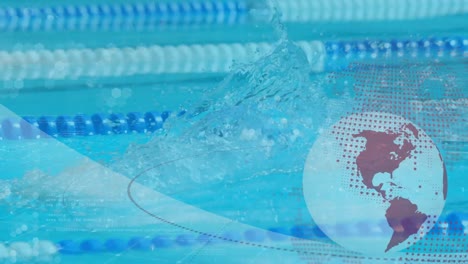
420, 93
431, 97
445, 237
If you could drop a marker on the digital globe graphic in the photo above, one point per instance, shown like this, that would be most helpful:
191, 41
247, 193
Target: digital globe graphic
375, 183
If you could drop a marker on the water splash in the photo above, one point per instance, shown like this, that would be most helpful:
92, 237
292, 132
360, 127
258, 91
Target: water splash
258, 122
244, 143
270, 100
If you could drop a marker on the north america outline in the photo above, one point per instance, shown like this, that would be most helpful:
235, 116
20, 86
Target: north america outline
379, 169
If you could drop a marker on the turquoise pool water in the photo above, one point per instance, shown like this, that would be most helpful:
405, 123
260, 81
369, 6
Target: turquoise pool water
218, 177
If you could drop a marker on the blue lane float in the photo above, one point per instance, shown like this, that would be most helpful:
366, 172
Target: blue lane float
69, 247
81, 125
435, 44
162, 242
140, 243
115, 16
91, 245
116, 245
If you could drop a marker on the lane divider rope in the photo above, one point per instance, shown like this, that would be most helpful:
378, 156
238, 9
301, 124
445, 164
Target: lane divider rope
209, 58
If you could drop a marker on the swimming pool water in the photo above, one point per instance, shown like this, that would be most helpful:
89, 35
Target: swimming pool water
221, 180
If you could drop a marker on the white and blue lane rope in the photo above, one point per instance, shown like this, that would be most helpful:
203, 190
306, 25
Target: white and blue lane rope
455, 224
208, 58
142, 14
